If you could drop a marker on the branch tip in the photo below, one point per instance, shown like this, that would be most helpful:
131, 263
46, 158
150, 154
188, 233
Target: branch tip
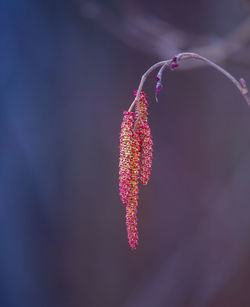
174, 63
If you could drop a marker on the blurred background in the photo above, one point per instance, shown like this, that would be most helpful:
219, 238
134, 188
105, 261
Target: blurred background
68, 70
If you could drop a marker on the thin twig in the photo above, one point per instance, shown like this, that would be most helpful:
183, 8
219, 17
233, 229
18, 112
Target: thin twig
241, 85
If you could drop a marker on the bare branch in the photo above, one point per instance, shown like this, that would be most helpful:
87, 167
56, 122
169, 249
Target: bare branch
241, 84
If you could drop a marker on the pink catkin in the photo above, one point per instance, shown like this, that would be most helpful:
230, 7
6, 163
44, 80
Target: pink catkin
141, 107
126, 138
147, 153
145, 138
131, 209
131, 222
135, 142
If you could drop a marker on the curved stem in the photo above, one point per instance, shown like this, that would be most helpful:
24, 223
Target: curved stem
143, 79
189, 55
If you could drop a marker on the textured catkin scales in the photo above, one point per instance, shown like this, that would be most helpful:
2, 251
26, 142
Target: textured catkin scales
131, 222
131, 209
147, 154
126, 138
145, 138
134, 167
135, 143
141, 107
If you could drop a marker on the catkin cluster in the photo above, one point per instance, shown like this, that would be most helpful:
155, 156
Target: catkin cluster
135, 162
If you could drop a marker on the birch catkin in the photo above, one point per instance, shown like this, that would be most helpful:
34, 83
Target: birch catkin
126, 137
145, 138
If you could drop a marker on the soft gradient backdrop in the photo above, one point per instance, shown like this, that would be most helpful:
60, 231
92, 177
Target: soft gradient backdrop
66, 76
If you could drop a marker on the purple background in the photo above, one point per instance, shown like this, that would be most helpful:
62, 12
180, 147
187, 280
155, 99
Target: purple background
65, 81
